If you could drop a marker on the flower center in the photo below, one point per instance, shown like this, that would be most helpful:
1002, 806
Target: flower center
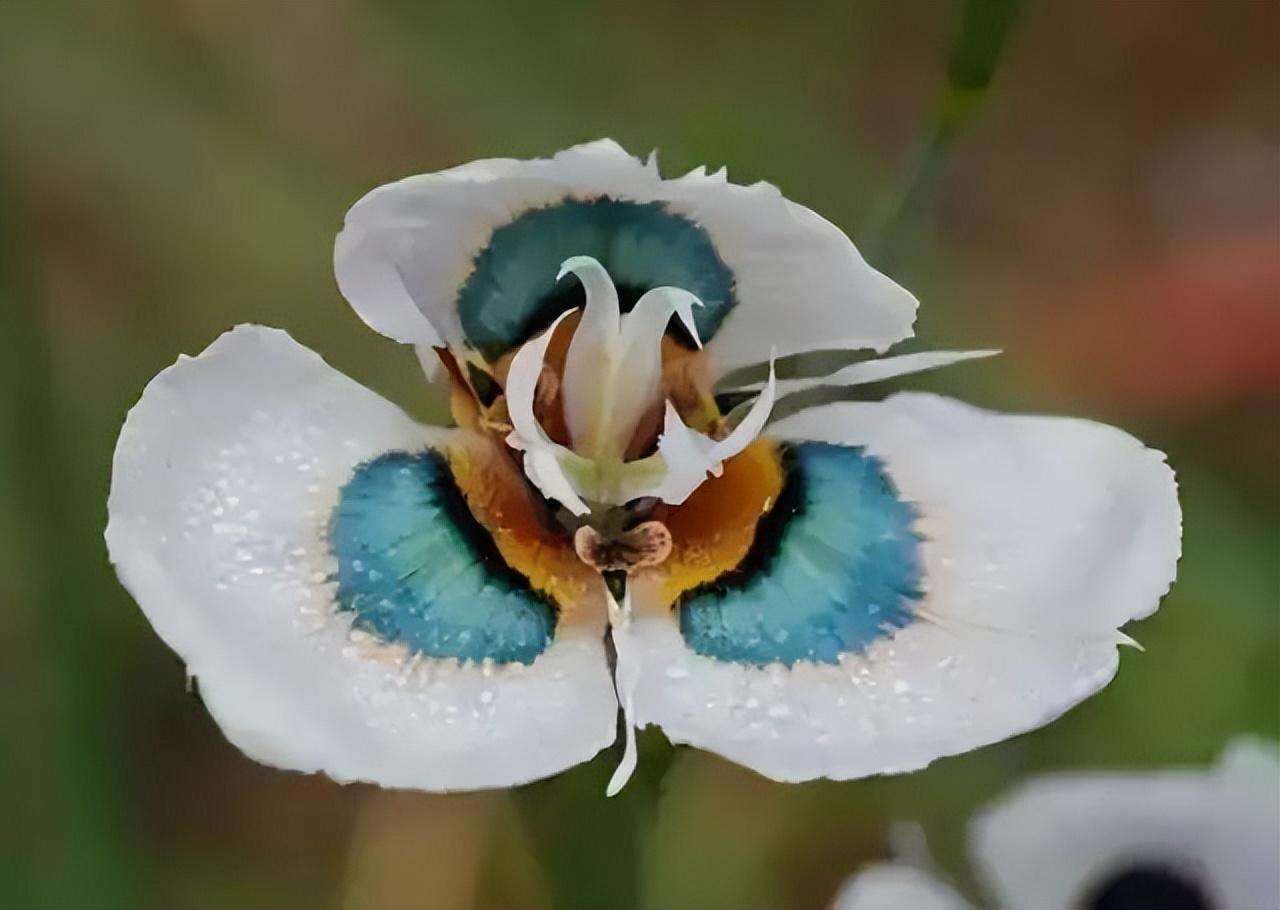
1148, 885
613, 370
613, 402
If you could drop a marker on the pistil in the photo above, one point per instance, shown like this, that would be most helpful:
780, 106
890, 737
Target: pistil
611, 394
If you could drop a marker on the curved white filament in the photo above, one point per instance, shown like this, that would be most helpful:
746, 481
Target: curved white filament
544, 459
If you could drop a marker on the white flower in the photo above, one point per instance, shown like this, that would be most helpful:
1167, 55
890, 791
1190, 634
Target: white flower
1165, 840
896, 886
856, 589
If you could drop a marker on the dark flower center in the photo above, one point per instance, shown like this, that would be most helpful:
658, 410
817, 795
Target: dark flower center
1148, 887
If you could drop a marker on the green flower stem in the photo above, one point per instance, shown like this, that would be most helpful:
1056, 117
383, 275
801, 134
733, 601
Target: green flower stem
62, 552
591, 848
983, 28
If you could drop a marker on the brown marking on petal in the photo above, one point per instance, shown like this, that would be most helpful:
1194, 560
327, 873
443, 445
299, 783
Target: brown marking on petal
647, 544
687, 383
548, 402
548, 405
462, 399
719, 429
713, 529
524, 530
644, 441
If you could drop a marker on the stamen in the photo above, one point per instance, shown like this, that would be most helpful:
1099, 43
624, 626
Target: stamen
546, 390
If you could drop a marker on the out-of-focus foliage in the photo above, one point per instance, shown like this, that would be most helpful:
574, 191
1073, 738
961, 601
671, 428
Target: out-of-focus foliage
1109, 218
975, 51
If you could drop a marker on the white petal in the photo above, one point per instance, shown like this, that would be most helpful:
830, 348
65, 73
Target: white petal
1250, 761
366, 264
544, 466
752, 422
1046, 525
406, 247
544, 459
925, 693
894, 886
677, 469
1041, 537
638, 386
688, 457
522, 385
590, 364
1055, 839
799, 281
647, 321
630, 755
613, 368
223, 482
879, 369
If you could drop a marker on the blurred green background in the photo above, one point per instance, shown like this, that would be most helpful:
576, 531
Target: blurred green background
1109, 216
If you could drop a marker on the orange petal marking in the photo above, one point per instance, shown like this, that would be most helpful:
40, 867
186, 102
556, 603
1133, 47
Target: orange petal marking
713, 529
501, 500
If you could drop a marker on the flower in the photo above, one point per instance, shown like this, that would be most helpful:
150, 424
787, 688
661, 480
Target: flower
855, 589
1164, 840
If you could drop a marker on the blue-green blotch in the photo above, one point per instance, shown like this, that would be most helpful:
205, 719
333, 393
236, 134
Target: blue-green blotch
835, 565
512, 293
415, 567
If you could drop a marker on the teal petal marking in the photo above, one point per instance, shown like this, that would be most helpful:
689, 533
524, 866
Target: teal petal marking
835, 565
512, 292
417, 568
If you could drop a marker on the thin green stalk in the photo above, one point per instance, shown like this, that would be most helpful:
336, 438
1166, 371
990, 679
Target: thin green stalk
88, 866
591, 848
982, 31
